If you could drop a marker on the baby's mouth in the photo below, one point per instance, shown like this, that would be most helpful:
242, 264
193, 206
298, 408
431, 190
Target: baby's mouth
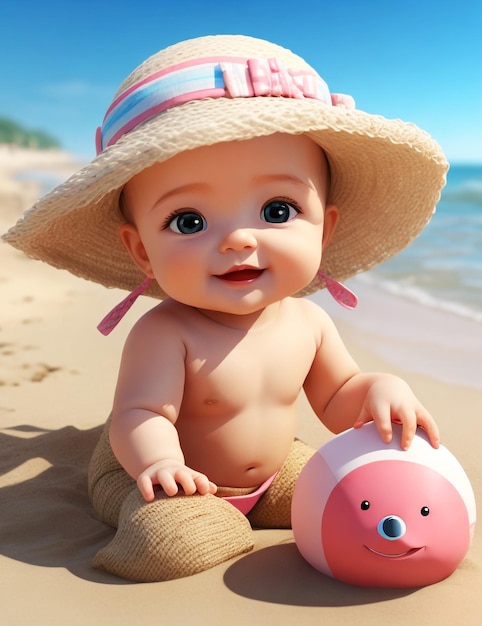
242, 274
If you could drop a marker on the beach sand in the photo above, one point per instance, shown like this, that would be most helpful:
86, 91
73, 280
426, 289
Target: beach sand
57, 377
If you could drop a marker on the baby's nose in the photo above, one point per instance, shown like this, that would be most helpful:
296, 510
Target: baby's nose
238, 239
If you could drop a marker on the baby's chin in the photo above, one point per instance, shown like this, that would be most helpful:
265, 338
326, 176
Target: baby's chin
243, 317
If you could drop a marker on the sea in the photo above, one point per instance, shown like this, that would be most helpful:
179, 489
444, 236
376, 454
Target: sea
442, 268
422, 310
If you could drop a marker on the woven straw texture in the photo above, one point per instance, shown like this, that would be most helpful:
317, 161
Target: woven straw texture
386, 174
174, 537
180, 536
274, 509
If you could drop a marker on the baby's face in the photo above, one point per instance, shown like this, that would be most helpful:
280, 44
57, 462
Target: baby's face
232, 227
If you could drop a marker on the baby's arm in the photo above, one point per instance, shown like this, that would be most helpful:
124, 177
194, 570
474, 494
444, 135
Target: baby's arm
149, 393
383, 398
147, 446
343, 397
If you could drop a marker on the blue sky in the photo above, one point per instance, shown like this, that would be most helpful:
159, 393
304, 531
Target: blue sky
62, 60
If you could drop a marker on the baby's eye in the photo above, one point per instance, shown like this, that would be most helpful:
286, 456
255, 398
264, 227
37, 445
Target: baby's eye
187, 223
278, 212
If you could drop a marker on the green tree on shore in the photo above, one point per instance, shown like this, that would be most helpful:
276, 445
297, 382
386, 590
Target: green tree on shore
14, 134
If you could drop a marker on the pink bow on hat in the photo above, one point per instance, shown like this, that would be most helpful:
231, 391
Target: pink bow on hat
212, 77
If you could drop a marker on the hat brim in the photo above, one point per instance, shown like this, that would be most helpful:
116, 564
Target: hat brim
386, 178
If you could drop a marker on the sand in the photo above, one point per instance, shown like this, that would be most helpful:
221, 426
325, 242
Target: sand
57, 376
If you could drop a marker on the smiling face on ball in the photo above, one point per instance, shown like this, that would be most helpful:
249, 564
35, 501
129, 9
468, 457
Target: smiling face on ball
382, 527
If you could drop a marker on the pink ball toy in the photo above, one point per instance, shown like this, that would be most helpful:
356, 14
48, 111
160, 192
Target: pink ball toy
373, 515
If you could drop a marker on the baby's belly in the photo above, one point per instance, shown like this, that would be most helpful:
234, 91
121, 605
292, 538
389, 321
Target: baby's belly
242, 451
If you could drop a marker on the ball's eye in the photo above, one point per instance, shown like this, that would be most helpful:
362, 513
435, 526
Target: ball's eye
365, 505
424, 511
278, 212
187, 223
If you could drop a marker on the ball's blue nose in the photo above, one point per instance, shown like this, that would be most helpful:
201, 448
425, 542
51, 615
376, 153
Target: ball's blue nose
391, 527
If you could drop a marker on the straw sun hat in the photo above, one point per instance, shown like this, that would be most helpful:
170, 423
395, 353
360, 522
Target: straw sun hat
386, 175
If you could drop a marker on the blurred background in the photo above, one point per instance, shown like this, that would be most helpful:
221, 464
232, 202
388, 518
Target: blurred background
62, 60
420, 60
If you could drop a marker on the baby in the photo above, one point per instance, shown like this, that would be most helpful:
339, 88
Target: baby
228, 181
212, 374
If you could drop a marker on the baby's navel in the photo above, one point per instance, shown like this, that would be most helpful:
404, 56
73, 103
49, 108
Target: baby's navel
210, 401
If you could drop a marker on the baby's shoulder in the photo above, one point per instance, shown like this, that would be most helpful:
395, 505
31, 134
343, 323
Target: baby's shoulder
307, 310
308, 320
164, 322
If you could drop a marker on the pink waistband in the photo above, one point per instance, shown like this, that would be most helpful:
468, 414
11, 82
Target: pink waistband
246, 503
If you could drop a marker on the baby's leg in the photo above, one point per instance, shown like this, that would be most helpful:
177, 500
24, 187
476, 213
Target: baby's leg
165, 539
274, 508
108, 483
174, 537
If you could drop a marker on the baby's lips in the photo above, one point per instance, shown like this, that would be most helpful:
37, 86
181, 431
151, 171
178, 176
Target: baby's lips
242, 274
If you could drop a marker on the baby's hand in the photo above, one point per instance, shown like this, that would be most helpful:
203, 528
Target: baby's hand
170, 474
390, 399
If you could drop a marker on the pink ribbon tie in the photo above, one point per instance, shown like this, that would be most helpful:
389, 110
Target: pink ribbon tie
112, 318
340, 293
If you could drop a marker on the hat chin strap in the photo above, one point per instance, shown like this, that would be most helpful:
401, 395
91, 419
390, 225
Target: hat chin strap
112, 318
340, 293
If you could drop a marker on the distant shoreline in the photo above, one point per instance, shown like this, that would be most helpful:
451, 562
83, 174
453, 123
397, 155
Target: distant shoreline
20, 187
16, 159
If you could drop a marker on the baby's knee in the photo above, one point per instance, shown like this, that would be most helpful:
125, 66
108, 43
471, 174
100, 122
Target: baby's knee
174, 537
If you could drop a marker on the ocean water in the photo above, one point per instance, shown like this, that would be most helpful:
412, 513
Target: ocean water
422, 310
442, 268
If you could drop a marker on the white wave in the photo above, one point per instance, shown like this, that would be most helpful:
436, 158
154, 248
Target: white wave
420, 296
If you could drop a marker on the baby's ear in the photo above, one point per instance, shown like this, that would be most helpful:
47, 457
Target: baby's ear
129, 236
330, 220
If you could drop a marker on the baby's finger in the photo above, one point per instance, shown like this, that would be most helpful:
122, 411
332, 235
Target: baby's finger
168, 482
185, 479
204, 485
407, 418
364, 418
426, 421
379, 414
146, 488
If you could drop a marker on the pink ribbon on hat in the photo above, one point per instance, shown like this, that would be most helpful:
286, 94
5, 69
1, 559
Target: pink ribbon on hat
268, 77
211, 77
